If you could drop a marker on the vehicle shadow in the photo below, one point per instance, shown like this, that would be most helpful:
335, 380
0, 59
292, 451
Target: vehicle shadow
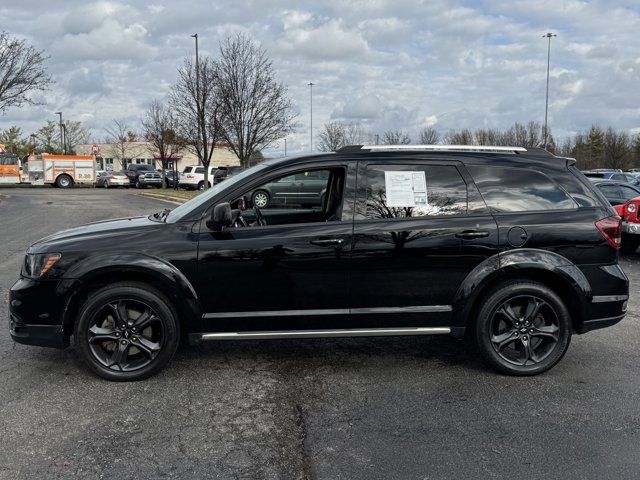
348, 353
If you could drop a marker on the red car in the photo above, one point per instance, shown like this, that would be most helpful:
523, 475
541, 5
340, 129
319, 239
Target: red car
630, 225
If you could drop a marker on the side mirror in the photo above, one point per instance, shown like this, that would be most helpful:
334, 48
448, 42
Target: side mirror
220, 217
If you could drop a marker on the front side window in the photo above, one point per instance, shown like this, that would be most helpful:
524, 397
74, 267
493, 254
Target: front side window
507, 189
299, 197
405, 191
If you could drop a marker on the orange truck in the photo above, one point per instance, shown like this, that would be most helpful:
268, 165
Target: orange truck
10, 168
63, 171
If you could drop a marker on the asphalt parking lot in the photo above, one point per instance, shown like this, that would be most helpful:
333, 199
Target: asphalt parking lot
382, 408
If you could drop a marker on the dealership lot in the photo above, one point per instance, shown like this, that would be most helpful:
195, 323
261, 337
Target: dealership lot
417, 407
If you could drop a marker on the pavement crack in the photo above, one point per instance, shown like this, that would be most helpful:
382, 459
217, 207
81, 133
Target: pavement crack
301, 422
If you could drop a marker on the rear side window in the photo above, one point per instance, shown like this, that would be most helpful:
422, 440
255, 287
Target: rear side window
507, 189
404, 191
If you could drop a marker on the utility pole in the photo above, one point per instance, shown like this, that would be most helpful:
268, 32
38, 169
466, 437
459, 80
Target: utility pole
62, 142
311, 116
547, 35
285, 147
377, 138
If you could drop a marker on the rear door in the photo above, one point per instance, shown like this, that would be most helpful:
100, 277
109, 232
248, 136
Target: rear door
420, 228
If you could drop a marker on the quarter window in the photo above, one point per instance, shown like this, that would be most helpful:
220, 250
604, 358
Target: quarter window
407, 191
507, 189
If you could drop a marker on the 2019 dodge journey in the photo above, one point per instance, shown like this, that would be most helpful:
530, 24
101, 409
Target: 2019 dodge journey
512, 247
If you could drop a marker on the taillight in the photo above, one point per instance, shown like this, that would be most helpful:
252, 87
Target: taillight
611, 229
112, 178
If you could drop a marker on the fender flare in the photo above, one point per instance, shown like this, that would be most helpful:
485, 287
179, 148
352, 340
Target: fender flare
176, 286
511, 264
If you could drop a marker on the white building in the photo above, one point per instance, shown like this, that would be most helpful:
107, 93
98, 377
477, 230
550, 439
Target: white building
115, 156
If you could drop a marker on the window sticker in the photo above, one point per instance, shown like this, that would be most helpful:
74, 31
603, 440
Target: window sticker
405, 188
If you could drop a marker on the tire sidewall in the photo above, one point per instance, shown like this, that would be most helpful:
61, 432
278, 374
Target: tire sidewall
136, 292
500, 295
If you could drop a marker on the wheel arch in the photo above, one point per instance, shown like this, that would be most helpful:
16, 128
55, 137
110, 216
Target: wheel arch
547, 268
147, 270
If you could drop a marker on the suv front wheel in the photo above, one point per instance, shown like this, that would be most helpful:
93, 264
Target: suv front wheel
523, 328
126, 331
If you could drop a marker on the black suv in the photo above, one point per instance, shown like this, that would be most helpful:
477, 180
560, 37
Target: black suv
513, 248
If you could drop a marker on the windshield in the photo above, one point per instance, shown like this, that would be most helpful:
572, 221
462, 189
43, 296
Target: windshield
203, 198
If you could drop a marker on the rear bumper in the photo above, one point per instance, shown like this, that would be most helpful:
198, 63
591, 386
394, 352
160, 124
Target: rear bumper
598, 323
631, 228
610, 294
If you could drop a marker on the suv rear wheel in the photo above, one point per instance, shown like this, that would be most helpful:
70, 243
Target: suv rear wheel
523, 328
126, 331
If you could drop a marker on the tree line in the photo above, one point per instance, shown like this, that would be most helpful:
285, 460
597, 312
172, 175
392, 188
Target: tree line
596, 148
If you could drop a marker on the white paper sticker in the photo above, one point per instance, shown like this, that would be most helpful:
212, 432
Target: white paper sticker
405, 188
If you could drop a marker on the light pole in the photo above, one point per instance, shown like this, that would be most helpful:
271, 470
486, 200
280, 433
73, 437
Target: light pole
61, 133
547, 35
311, 116
285, 147
195, 35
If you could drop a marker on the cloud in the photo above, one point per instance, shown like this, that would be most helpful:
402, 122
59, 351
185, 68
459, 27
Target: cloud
389, 64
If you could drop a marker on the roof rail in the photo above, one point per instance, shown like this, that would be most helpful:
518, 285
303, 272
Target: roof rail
438, 148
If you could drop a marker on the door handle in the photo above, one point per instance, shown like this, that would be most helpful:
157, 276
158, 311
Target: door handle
471, 234
327, 242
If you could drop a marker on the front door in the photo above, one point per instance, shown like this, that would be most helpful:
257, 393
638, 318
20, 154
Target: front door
420, 228
290, 274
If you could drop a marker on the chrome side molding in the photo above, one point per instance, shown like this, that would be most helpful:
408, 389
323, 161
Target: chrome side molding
331, 311
328, 333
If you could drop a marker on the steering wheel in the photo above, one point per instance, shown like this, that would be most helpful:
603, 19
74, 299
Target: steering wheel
259, 217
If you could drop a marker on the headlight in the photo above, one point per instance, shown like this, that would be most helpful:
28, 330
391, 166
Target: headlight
37, 265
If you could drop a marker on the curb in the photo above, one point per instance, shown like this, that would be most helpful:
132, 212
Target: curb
162, 198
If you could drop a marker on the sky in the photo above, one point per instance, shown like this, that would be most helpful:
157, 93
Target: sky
388, 64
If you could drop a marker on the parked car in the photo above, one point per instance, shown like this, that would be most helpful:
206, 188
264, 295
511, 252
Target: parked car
222, 173
616, 193
305, 188
616, 176
112, 179
630, 239
143, 176
171, 178
513, 248
192, 177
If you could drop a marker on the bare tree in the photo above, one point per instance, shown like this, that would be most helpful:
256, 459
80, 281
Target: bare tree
74, 134
193, 98
395, 137
121, 142
255, 111
331, 137
21, 72
429, 136
354, 134
160, 130
463, 137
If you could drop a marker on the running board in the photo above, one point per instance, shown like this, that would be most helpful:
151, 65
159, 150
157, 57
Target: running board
370, 332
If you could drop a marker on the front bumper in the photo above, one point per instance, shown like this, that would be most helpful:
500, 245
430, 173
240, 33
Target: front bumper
150, 181
36, 311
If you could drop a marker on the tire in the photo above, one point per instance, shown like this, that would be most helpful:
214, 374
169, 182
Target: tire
629, 244
100, 341
64, 181
201, 185
514, 315
261, 199
106, 184
138, 184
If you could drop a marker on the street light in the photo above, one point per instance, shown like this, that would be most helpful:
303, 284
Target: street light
311, 116
546, 103
285, 147
62, 142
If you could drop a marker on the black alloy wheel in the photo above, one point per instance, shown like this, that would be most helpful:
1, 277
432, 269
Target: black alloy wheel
126, 332
523, 328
